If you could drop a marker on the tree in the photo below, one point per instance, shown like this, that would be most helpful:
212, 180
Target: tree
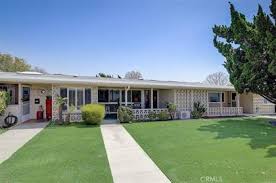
218, 79
133, 75
250, 51
4, 100
103, 75
9, 63
59, 103
40, 70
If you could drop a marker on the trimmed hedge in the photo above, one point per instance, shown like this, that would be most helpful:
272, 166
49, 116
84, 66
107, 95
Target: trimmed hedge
125, 114
163, 116
93, 114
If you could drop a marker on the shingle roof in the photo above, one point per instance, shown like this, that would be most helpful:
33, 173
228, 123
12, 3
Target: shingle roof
29, 77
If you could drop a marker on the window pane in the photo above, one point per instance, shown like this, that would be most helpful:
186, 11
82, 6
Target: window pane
114, 95
129, 96
72, 97
136, 96
12, 90
79, 98
63, 94
26, 94
88, 96
214, 97
103, 96
222, 97
234, 96
147, 99
154, 99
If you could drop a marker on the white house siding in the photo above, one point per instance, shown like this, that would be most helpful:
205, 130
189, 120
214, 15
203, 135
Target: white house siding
165, 96
260, 107
247, 103
94, 95
185, 99
55, 94
36, 93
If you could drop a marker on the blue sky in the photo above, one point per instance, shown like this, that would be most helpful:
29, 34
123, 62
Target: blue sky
163, 39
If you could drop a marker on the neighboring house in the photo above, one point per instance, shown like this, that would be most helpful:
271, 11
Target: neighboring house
31, 91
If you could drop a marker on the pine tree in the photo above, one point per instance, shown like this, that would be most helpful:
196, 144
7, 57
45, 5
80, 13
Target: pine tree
250, 51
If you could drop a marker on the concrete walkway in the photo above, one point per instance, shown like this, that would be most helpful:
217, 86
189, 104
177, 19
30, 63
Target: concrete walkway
127, 160
16, 137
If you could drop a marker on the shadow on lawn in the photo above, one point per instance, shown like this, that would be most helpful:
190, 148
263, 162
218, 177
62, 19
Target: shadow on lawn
260, 133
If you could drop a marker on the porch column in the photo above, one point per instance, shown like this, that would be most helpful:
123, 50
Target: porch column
20, 101
126, 90
151, 98
220, 96
192, 99
120, 97
142, 99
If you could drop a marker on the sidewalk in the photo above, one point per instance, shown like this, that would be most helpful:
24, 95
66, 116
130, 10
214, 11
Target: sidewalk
15, 138
127, 160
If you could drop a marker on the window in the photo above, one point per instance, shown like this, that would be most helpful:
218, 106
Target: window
88, 96
136, 96
234, 96
12, 91
129, 94
79, 98
114, 95
72, 97
222, 97
63, 94
26, 94
155, 95
103, 96
147, 99
75, 97
214, 97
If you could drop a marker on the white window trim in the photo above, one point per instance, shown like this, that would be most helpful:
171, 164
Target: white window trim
220, 94
76, 97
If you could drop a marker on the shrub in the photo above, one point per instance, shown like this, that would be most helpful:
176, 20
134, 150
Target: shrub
152, 116
198, 111
3, 101
163, 116
125, 114
172, 110
93, 114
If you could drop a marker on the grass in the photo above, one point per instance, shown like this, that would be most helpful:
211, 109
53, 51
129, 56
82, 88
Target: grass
73, 153
231, 150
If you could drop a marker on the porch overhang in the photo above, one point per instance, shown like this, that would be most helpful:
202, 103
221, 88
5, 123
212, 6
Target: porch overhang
105, 82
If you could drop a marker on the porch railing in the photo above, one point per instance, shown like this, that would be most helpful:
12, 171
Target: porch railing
143, 114
224, 111
72, 117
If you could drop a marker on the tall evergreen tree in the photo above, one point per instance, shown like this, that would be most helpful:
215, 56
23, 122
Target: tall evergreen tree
250, 51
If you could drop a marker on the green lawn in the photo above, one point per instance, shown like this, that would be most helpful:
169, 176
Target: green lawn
231, 150
73, 153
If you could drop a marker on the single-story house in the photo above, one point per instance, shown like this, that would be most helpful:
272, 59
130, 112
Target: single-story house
31, 92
